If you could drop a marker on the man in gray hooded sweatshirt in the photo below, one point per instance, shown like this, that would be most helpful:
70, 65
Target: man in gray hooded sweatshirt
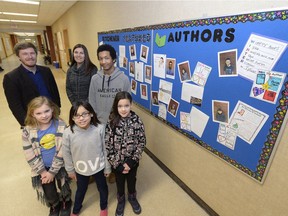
106, 83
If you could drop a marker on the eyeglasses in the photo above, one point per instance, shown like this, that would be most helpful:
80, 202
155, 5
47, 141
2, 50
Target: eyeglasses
83, 115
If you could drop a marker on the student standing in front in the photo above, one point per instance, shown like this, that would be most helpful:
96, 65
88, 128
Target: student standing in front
85, 154
105, 85
125, 141
79, 74
42, 143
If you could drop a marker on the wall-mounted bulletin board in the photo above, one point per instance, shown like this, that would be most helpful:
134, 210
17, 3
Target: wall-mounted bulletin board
220, 81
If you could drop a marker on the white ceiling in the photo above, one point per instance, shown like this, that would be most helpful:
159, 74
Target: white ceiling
48, 12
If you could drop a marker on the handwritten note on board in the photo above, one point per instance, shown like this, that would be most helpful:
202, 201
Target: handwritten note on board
259, 53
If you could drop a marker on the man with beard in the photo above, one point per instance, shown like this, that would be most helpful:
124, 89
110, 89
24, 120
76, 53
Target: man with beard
28, 81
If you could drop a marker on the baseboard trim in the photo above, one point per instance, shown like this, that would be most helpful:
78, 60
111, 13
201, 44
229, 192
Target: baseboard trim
178, 181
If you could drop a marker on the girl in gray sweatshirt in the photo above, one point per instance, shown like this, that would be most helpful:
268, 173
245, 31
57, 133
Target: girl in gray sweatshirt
85, 155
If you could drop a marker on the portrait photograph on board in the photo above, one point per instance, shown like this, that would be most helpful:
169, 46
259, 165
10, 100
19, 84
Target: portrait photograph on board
144, 53
184, 71
173, 107
154, 98
133, 86
123, 62
170, 68
132, 49
132, 69
148, 73
220, 111
144, 92
227, 63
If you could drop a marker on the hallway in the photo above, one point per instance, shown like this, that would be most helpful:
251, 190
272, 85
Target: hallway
158, 194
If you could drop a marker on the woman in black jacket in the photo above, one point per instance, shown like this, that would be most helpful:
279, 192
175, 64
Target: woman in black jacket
79, 74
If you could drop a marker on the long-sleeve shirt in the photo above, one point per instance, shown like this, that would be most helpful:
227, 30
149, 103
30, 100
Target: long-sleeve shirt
78, 83
84, 150
32, 150
20, 89
126, 142
103, 89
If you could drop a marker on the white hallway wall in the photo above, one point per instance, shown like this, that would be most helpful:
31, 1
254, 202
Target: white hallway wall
221, 186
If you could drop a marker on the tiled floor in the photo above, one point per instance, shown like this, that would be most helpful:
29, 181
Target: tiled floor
158, 194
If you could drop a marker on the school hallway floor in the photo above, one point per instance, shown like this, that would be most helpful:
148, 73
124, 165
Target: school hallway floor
158, 194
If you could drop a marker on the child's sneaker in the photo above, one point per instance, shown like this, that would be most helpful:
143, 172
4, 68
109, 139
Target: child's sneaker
104, 212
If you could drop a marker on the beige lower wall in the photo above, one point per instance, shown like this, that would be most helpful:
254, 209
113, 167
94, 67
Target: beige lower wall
224, 188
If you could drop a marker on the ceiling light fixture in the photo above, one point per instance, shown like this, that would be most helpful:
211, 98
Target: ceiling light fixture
24, 34
19, 14
24, 1
24, 21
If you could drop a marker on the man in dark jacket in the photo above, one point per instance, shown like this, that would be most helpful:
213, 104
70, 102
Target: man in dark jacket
28, 81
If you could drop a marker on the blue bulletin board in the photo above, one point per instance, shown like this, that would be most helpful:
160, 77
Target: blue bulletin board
220, 81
